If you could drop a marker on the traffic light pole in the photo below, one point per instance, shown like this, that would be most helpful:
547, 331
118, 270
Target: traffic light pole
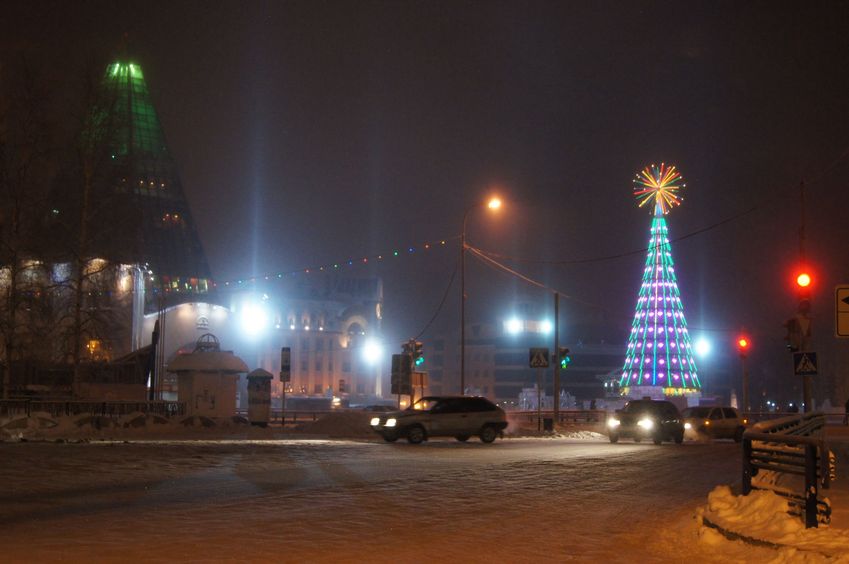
746, 407
556, 357
804, 308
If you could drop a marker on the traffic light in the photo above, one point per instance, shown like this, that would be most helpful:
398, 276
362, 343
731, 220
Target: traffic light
804, 283
743, 344
793, 339
565, 359
418, 353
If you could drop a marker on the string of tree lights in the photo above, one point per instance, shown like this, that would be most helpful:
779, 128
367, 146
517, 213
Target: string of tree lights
332, 266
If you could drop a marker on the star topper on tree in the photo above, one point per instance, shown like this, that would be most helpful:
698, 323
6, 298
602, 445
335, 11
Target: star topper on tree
661, 185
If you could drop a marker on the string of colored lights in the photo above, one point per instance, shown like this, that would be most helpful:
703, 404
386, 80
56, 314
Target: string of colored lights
336, 266
659, 351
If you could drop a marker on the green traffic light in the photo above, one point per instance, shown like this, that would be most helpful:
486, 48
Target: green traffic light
420, 361
564, 362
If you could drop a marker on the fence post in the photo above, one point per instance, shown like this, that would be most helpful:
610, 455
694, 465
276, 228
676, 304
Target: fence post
747, 466
810, 486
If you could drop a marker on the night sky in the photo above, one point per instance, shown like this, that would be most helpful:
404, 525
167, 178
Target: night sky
310, 132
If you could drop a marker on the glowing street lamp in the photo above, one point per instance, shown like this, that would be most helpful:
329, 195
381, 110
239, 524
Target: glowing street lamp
702, 347
372, 351
494, 204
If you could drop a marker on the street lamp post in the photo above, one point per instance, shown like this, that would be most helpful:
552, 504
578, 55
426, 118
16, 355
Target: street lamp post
493, 204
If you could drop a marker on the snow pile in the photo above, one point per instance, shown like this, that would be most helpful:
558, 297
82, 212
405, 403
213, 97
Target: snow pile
762, 516
583, 435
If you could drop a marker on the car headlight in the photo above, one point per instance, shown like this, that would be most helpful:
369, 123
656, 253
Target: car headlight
707, 423
646, 423
688, 426
375, 421
390, 422
612, 422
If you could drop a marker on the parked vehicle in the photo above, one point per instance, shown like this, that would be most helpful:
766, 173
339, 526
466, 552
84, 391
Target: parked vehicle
443, 416
715, 422
658, 420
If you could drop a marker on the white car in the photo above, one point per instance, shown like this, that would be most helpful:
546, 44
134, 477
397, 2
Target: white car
443, 416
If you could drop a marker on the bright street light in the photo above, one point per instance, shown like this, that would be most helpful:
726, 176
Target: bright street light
703, 347
372, 351
253, 318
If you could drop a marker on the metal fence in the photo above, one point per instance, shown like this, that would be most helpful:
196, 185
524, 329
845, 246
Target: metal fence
112, 409
795, 446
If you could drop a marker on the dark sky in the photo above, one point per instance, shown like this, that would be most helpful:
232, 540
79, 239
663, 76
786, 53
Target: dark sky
310, 132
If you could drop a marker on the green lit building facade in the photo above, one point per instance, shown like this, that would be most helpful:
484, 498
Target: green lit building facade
138, 213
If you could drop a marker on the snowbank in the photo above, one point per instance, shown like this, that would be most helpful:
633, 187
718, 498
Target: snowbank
761, 517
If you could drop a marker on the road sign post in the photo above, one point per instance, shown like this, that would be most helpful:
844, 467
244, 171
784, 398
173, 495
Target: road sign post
841, 311
285, 377
538, 358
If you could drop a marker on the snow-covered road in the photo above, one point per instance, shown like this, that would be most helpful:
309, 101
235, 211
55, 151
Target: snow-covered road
516, 500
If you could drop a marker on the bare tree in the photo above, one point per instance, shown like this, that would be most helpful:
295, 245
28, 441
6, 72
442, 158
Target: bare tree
26, 148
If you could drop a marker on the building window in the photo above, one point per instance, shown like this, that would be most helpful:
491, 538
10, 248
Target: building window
330, 365
318, 364
316, 389
305, 366
319, 344
346, 366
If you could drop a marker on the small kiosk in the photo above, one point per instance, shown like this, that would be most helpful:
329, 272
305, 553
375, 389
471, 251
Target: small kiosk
259, 397
206, 378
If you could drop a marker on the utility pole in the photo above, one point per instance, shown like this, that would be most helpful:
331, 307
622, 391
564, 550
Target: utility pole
804, 300
556, 357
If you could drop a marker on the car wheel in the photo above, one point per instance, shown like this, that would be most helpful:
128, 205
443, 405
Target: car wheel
657, 439
462, 438
613, 438
637, 439
488, 434
390, 438
738, 434
415, 435
679, 438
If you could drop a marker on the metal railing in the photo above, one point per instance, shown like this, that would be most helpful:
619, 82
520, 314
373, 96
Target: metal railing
565, 416
795, 446
112, 409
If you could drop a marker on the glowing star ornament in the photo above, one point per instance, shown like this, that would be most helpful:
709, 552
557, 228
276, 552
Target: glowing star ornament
660, 185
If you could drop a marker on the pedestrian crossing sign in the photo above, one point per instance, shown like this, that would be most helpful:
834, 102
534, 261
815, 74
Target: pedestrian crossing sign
538, 358
805, 363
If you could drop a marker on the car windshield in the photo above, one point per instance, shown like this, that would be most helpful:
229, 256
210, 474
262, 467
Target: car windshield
425, 404
637, 406
696, 412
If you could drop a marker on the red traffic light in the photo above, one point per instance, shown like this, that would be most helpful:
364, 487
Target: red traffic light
742, 343
803, 279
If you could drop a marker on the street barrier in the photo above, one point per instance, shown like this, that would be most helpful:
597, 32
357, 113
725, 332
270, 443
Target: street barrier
113, 409
793, 446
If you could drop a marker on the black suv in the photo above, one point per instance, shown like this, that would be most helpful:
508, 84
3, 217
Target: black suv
444, 416
657, 420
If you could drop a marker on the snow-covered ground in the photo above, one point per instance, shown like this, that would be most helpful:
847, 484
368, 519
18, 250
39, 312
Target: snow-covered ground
166, 492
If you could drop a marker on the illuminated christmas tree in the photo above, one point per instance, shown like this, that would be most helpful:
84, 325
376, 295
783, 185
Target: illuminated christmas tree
659, 360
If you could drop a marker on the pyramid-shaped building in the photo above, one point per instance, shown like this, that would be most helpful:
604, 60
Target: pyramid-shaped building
659, 359
138, 189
